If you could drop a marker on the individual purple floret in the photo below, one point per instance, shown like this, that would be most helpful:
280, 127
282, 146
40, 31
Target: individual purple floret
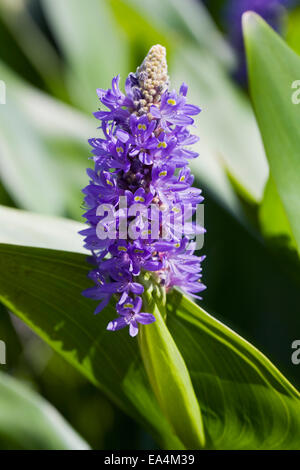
130, 314
141, 181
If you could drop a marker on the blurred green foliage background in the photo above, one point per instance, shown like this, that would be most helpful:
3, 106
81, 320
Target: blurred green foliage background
53, 56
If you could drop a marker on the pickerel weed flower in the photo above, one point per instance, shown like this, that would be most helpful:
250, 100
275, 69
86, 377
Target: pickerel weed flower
142, 160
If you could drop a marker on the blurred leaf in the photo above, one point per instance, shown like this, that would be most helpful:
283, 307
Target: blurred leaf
26, 171
142, 33
293, 30
230, 141
29, 229
273, 67
226, 125
49, 300
92, 43
29, 422
245, 401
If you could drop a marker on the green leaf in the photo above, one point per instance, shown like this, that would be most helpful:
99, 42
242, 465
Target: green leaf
27, 421
245, 401
168, 373
27, 34
273, 68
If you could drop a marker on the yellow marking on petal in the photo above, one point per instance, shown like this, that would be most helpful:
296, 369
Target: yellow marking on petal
138, 251
162, 144
122, 248
175, 209
177, 245
120, 150
109, 182
182, 178
142, 126
171, 101
162, 173
139, 198
128, 305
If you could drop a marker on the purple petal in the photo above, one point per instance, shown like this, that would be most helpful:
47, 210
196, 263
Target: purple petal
191, 110
102, 305
133, 328
122, 135
137, 304
117, 324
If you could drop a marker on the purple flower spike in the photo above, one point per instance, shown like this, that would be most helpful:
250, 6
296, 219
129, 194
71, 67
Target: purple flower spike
138, 192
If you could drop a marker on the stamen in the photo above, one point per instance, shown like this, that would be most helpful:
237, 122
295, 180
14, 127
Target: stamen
162, 144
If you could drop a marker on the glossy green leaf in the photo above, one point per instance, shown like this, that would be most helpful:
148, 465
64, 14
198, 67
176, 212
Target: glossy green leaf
27, 421
25, 167
273, 69
245, 401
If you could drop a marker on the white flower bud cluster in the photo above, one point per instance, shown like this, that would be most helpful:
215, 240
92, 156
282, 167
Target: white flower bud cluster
153, 78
